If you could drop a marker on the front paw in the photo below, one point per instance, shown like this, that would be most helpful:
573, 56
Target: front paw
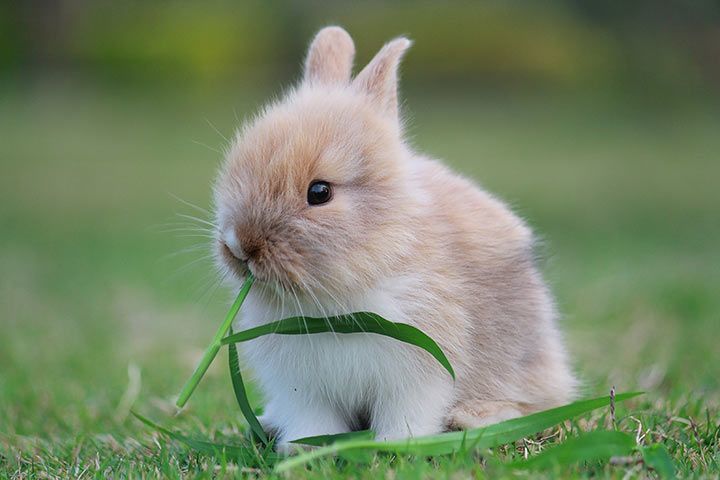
295, 420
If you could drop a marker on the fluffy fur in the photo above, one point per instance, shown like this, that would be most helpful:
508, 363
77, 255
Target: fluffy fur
403, 236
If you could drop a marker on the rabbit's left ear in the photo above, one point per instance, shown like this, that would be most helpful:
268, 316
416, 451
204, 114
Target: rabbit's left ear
379, 78
330, 57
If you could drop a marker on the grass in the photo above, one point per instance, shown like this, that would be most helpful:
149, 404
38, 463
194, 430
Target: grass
96, 312
214, 348
599, 445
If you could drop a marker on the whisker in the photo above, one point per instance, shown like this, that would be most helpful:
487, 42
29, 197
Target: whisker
189, 229
261, 292
207, 146
302, 315
275, 302
216, 130
282, 316
189, 265
283, 293
215, 286
324, 312
190, 204
208, 282
344, 308
171, 227
186, 250
197, 219
196, 235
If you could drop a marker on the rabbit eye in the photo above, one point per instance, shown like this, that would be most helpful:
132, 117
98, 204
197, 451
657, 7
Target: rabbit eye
319, 192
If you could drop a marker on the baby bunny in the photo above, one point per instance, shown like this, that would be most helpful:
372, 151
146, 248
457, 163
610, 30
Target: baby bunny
324, 202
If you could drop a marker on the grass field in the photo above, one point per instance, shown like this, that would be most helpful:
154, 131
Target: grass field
101, 309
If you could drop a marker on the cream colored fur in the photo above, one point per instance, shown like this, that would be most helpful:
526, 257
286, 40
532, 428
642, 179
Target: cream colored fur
403, 236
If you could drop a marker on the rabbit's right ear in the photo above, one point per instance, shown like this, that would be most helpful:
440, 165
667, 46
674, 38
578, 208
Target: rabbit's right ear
330, 57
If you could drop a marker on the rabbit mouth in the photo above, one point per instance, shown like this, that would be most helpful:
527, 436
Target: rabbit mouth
266, 272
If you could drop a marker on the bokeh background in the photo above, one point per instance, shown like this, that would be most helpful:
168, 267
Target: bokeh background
598, 121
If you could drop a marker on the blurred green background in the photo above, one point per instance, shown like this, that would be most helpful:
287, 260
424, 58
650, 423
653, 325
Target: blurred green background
598, 121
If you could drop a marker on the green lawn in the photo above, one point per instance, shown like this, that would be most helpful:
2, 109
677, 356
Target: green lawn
100, 307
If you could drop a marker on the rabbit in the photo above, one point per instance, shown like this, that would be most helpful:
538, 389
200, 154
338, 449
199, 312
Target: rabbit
322, 199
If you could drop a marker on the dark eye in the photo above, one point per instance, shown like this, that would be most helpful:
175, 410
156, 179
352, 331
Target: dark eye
319, 192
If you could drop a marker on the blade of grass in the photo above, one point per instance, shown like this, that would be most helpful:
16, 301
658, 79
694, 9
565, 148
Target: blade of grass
360, 322
598, 445
657, 457
451, 442
322, 440
212, 350
241, 395
242, 454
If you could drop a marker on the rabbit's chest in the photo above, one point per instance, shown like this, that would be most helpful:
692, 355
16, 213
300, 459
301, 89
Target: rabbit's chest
347, 367
328, 361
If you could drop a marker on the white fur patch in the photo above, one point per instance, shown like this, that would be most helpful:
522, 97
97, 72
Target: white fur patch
325, 383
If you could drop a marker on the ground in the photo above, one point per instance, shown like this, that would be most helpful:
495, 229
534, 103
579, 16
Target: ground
105, 305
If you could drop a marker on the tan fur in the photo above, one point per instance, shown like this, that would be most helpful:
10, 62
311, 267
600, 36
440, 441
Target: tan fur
379, 78
457, 260
330, 56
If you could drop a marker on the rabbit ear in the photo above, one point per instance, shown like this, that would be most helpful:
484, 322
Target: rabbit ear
380, 77
330, 57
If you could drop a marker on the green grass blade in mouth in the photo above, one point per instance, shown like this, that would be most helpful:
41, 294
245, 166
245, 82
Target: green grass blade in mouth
360, 322
212, 350
241, 394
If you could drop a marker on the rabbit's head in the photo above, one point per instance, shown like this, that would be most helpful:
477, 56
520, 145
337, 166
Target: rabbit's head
315, 192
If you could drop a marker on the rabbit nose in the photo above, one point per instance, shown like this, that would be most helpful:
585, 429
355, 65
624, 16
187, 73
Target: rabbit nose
232, 243
243, 245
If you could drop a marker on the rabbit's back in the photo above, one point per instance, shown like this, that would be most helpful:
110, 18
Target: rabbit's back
513, 350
